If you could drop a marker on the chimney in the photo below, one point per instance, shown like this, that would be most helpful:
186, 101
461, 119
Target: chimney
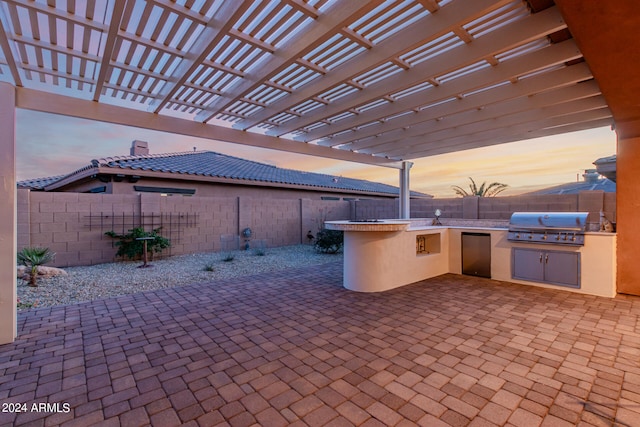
139, 148
591, 176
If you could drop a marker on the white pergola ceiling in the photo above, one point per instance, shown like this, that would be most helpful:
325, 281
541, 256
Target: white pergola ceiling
371, 81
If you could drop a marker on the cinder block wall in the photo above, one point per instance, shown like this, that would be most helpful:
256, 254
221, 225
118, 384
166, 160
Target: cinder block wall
73, 224
494, 207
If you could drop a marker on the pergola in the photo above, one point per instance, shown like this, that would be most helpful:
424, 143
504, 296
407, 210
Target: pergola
377, 82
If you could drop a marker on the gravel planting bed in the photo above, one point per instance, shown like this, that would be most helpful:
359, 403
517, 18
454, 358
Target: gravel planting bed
87, 283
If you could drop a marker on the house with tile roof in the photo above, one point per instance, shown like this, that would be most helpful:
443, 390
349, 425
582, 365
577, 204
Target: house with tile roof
592, 181
206, 173
606, 166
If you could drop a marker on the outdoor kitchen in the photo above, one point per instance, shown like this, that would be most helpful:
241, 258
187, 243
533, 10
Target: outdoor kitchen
547, 249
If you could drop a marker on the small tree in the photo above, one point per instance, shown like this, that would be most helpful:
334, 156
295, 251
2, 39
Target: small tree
484, 190
32, 257
329, 241
129, 246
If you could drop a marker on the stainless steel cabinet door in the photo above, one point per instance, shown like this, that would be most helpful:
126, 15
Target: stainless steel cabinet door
555, 267
528, 264
562, 268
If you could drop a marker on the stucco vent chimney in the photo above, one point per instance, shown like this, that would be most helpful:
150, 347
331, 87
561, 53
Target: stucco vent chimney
139, 148
591, 175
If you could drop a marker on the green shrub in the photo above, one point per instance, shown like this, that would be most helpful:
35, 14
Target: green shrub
229, 258
329, 241
32, 257
131, 248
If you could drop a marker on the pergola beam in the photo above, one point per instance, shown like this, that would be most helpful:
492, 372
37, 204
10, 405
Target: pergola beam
454, 15
57, 104
516, 137
8, 54
544, 58
477, 127
555, 79
503, 39
326, 26
210, 37
488, 116
112, 34
533, 129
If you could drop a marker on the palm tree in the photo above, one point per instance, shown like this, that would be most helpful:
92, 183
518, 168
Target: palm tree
484, 190
32, 258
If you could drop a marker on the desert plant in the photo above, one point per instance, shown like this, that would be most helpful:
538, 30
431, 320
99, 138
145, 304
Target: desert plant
329, 241
24, 305
259, 252
208, 267
129, 246
484, 190
32, 257
228, 258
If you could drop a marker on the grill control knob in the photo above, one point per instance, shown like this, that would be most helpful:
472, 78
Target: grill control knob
544, 237
558, 236
530, 236
573, 238
565, 237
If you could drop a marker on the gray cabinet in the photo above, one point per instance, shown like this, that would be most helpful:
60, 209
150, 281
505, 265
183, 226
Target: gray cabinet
546, 266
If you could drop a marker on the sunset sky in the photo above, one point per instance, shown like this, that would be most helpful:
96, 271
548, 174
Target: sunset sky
58, 145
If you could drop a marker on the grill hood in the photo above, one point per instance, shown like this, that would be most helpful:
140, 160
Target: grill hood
549, 221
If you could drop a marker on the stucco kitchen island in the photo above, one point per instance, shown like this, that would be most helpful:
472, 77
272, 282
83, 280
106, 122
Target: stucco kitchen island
380, 255
386, 254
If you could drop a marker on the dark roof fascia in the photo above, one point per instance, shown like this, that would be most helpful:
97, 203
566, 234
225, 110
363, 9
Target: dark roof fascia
231, 181
72, 178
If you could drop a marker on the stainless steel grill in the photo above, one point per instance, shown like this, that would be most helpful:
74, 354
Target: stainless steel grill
560, 228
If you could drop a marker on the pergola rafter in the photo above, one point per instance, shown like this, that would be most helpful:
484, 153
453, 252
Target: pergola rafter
566, 76
458, 58
343, 79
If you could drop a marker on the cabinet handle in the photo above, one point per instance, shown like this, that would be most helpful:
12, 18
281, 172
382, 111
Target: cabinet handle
546, 259
541, 258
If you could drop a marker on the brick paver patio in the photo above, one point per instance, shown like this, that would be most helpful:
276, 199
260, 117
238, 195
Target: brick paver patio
295, 348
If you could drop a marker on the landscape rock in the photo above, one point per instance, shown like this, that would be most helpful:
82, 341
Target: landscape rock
43, 271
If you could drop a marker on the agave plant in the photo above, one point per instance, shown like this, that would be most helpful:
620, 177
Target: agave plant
32, 257
484, 190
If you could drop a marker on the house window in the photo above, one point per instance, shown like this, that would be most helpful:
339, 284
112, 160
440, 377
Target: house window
101, 189
165, 191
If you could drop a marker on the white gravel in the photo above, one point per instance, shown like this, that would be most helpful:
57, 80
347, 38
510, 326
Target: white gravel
87, 283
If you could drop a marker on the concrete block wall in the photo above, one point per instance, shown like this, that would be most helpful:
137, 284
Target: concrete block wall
316, 212
24, 218
275, 221
61, 222
376, 209
197, 222
503, 207
494, 208
610, 206
73, 224
450, 208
